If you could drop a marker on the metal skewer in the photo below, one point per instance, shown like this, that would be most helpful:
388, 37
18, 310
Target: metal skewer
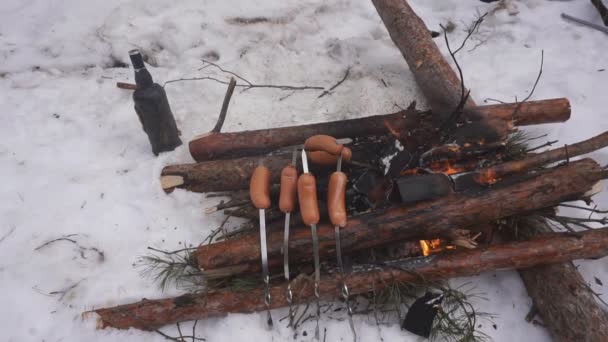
315, 249
260, 196
289, 293
344, 289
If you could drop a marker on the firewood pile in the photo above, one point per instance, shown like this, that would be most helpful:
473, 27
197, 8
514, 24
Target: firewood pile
451, 191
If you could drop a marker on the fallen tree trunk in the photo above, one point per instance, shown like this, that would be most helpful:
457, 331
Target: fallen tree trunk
561, 296
426, 220
239, 144
437, 80
546, 249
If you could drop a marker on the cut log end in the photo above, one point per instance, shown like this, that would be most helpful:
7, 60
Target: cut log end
170, 182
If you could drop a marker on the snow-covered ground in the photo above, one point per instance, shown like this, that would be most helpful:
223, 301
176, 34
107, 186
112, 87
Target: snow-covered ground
75, 161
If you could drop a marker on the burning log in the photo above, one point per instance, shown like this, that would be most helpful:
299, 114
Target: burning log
239, 144
427, 220
542, 250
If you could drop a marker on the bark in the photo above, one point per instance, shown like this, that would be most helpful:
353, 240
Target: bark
563, 299
540, 159
437, 80
427, 220
542, 250
239, 144
220, 175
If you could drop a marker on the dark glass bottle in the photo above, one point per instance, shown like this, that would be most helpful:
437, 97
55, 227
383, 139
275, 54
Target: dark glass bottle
153, 108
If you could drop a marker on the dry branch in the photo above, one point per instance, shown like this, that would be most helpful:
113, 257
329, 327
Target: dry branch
546, 249
427, 220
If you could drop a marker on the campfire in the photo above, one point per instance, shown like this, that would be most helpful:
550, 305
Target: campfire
414, 197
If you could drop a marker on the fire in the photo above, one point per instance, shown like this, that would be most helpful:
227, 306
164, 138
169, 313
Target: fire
434, 246
487, 176
446, 167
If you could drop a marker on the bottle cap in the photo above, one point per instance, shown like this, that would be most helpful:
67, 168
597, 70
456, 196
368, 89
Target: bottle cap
136, 59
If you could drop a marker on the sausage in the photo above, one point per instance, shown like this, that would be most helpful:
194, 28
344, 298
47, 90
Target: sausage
336, 191
307, 196
259, 187
325, 159
289, 186
323, 143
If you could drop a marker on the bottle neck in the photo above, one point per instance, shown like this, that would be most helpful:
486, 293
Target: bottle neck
143, 78
142, 75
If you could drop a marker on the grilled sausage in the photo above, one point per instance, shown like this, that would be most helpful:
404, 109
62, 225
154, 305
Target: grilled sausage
289, 186
325, 159
259, 187
336, 192
307, 196
323, 143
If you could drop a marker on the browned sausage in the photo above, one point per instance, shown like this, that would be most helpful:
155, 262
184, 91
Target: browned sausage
336, 191
325, 159
289, 186
259, 187
307, 196
323, 143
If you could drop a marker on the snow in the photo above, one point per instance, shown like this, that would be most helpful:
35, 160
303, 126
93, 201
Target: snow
75, 161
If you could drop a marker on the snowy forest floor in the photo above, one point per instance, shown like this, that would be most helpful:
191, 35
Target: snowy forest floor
75, 161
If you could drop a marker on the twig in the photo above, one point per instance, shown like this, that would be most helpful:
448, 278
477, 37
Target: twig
222, 117
127, 86
63, 238
65, 290
540, 73
328, 92
8, 234
171, 252
178, 339
584, 208
585, 22
247, 86
548, 143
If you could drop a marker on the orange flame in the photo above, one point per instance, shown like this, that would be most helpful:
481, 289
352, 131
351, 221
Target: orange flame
446, 167
434, 246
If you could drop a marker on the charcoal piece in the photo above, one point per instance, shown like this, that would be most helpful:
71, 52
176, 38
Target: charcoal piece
419, 318
416, 188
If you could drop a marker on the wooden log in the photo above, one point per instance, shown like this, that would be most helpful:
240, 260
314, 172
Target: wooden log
426, 220
413, 130
561, 296
437, 80
220, 175
239, 144
602, 10
560, 303
546, 249
493, 173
